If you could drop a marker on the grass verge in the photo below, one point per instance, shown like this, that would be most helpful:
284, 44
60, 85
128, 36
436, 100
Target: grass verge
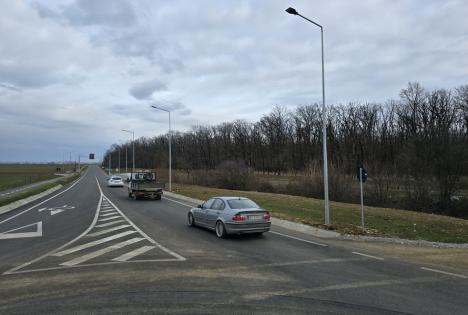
345, 217
15, 175
64, 181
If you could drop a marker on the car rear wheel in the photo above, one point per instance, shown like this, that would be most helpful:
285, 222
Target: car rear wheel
190, 219
220, 230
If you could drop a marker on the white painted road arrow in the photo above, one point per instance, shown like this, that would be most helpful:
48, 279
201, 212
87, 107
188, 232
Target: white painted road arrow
56, 210
9, 235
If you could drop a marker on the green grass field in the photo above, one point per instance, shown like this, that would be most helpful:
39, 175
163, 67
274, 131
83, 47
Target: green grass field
345, 217
15, 175
37, 190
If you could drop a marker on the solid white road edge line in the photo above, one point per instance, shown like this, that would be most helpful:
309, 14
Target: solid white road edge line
42, 202
366, 255
445, 272
96, 264
299, 239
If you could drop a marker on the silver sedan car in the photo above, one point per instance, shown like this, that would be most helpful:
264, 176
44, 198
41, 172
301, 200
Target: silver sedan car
230, 215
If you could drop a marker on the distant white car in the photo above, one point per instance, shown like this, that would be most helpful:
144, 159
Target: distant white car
115, 181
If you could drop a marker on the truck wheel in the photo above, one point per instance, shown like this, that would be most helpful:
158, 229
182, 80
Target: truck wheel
158, 197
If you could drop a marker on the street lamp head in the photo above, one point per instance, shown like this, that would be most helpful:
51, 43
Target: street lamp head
292, 11
163, 109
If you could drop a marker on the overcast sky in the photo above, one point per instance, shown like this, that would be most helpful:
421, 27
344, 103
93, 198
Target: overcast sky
74, 73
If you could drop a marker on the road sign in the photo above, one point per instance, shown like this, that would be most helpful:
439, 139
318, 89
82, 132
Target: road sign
364, 174
91, 156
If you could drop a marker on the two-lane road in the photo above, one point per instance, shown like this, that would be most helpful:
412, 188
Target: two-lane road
97, 250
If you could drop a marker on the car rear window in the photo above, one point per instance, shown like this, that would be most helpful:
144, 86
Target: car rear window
242, 204
116, 178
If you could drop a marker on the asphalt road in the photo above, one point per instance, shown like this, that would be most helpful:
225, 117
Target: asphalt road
90, 249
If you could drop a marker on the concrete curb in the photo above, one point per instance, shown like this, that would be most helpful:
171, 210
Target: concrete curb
16, 204
290, 225
303, 228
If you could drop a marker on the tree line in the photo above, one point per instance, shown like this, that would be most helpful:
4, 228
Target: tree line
415, 144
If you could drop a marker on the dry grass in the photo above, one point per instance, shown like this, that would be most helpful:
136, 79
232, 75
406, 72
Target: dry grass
15, 175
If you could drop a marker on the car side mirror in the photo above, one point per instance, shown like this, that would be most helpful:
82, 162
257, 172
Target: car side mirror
200, 206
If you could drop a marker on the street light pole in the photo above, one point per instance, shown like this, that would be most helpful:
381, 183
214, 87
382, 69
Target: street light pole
133, 148
324, 122
120, 147
170, 148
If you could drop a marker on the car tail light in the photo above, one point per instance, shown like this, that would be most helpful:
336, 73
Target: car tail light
239, 217
266, 216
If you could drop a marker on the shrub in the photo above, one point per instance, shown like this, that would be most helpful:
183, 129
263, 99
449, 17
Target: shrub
234, 175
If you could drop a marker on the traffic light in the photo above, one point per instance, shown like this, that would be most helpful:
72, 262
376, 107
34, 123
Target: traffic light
364, 174
91, 156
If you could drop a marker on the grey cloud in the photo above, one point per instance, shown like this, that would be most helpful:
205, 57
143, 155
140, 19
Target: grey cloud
134, 43
20, 73
144, 90
9, 87
112, 13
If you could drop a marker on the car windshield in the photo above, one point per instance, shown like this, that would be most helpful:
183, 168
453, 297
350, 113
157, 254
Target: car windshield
242, 204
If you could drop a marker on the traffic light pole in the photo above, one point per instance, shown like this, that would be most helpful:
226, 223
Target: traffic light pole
362, 198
